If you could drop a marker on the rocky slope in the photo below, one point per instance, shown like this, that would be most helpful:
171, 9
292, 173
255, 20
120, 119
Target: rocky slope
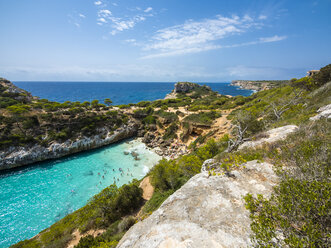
209, 211
205, 212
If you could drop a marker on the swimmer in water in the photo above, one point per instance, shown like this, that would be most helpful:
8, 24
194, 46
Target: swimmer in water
118, 179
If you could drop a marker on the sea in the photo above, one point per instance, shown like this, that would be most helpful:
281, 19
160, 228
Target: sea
34, 197
118, 92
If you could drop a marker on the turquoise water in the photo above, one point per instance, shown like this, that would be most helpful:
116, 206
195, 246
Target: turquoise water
34, 197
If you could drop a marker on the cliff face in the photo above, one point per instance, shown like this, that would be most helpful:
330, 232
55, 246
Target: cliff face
205, 212
14, 91
256, 85
186, 87
19, 156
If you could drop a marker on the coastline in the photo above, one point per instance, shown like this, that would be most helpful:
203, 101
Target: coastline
22, 156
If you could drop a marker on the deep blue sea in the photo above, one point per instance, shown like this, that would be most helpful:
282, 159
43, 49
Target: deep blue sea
34, 197
118, 92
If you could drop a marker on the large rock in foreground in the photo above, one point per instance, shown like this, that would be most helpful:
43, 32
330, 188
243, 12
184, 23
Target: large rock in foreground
205, 212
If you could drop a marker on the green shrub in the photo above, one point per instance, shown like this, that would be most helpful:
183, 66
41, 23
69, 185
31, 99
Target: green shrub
170, 132
205, 118
323, 76
298, 212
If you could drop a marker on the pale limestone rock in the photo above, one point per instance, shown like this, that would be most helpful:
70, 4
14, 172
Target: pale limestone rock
205, 212
323, 112
273, 135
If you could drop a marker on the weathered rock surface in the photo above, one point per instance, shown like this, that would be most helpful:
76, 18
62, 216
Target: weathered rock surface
323, 112
15, 157
257, 85
184, 87
19, 94
205, 212
273, 135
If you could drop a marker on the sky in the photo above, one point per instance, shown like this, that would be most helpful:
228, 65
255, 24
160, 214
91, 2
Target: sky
163, 40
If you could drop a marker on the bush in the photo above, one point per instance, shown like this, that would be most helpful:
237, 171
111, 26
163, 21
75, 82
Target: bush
323, 76
205, 118
170, 132
297, 214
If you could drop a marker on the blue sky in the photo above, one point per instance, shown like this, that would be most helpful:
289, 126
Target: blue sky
163, 40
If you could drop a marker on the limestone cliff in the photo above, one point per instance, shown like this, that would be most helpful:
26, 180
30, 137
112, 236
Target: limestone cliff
257, 85
19, 156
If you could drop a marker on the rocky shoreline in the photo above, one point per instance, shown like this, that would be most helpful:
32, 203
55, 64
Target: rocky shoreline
257, 85
15, 157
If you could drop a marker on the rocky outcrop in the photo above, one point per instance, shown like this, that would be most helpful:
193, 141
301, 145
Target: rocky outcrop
323, 112
272, 135
205, 212
185, 87
14, 91
257, 85
15, 157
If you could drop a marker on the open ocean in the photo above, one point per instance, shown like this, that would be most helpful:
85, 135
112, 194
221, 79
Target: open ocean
118, 92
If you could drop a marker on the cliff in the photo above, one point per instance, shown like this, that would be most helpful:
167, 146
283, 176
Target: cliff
186, 88
19, 156
33, 130
258, 85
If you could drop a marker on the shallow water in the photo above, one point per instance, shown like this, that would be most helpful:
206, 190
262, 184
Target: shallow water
34, 197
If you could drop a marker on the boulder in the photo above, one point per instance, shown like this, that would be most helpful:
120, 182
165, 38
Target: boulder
205, 212
272, 135
323, 112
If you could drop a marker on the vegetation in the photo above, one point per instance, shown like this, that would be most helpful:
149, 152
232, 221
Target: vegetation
298, 212
203, 118
296, 215
105, 210
27, 121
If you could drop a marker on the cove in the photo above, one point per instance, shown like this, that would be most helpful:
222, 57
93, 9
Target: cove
34, 197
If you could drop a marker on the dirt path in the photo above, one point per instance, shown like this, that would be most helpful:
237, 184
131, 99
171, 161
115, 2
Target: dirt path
147, 188
77, 236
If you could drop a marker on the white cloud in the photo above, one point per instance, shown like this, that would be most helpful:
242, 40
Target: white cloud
97, 2
148, 9
102, 20
263, 17
82, 16
273, 38
119, 24
104, 13
193, 36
